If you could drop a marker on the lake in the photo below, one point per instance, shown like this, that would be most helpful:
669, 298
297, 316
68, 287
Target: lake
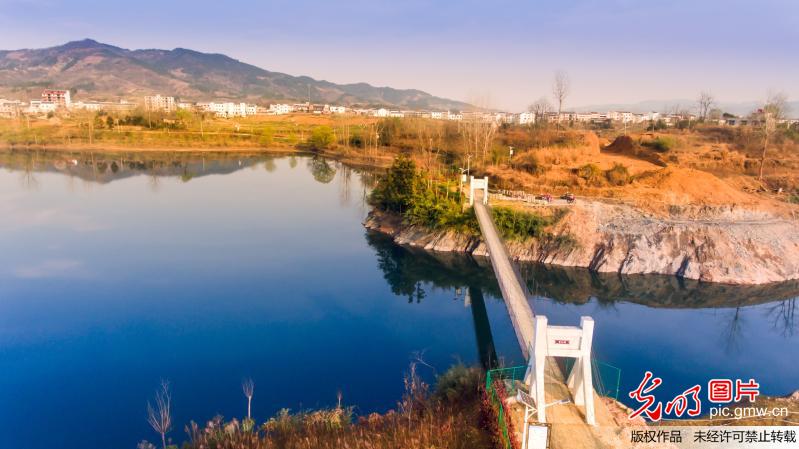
117, 271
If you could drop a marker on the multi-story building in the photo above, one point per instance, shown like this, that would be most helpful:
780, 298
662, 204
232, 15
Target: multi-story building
9, 108
280, 109
337, 109
60, 98
41, 107
526, 118
159, 103
229, 109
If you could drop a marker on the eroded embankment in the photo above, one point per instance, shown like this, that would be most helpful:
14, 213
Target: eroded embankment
719, 245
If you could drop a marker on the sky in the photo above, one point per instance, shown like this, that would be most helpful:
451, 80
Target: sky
499, 53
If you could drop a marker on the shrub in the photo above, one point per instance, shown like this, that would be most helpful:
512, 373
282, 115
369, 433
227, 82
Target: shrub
661, 144
357, 141
591, 173
321, 138
529, 162
519, 225
421, 420
618, 175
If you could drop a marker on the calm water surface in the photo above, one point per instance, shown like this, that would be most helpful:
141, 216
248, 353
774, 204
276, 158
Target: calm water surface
116, 272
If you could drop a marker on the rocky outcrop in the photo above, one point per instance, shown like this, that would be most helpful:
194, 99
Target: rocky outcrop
718, 245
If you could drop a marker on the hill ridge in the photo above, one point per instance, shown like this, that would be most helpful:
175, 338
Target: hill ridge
96, 70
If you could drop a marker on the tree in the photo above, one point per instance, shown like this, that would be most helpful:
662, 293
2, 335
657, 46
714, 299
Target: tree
478, 129
248, 387
160, 416
560, 89
321, 137
396, 190
705, 103
772, 112
540, 108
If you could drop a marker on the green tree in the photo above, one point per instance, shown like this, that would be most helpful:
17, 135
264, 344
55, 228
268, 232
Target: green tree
321, 138
396, 190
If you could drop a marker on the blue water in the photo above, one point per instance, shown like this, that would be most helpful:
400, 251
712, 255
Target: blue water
204, 271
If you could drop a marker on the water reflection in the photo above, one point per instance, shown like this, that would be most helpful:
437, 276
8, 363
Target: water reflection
578, 286
107, 167
408, 270
687, 331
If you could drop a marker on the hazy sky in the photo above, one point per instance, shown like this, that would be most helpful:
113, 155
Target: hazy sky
615, 51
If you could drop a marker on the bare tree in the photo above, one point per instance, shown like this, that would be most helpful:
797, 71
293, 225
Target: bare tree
478, 130
772, 112
705, 103
160, 416
560, 89
540, 108
248, 387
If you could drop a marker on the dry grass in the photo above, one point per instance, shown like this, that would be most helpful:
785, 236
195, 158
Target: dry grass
449, 417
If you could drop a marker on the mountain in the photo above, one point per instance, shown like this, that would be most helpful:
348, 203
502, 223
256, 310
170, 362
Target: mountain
100, 71
740, 108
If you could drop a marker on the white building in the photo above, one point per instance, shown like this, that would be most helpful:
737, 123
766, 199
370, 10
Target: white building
621, 116
280, 109
526, 118
229, 109
438, 115
337, 109
159, 103
10, 108
41, 107
396, 114
382, 112
89, 105
451, 116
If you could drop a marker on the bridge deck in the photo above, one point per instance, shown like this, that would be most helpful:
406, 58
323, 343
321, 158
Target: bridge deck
569, 429
513, 290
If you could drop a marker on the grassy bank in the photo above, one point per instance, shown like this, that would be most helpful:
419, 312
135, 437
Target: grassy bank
424, 200
450, 416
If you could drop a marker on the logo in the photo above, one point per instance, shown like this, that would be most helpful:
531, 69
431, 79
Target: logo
689, 402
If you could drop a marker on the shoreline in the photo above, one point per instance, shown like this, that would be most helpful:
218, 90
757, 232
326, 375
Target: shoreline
723, 245
611, 242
